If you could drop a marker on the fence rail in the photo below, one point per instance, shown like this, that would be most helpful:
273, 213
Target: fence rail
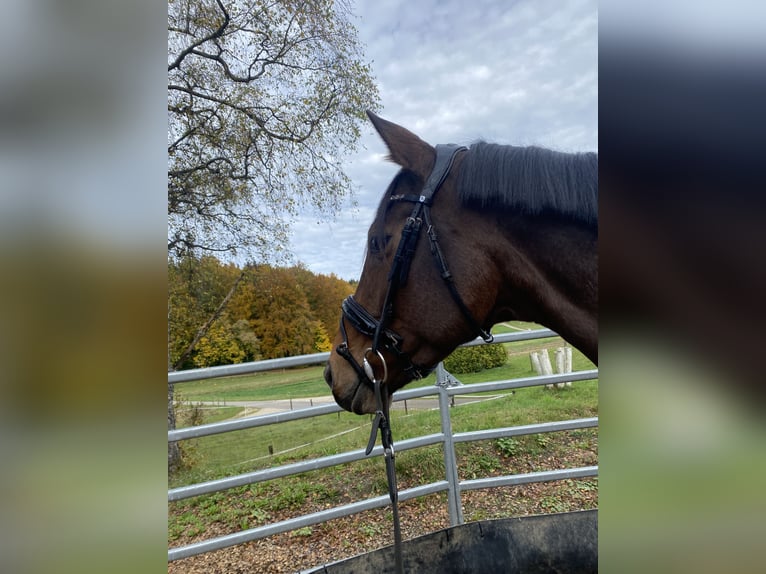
452, 484
318, 358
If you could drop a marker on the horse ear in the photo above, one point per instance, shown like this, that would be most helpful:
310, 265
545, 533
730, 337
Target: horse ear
405, 148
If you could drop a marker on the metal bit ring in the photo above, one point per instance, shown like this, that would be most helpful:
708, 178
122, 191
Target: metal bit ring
369, 371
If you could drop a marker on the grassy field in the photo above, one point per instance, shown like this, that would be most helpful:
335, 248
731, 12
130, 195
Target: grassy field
235, 453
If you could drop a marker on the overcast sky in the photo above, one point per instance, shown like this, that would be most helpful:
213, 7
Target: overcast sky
516, 72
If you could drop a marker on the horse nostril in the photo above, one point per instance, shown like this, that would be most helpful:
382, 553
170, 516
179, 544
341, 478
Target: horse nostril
328, 375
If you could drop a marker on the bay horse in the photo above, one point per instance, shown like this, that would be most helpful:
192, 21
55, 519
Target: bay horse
510, 233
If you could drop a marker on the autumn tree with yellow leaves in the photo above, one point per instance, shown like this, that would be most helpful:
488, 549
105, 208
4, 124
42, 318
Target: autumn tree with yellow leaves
274, 312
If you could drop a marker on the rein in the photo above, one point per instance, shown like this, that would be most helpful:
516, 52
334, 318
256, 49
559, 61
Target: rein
387, 339
381, 422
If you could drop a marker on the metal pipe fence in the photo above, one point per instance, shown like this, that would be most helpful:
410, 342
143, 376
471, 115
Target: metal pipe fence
452, 483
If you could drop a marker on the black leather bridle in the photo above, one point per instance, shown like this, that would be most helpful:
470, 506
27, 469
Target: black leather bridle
364, 322
387, 339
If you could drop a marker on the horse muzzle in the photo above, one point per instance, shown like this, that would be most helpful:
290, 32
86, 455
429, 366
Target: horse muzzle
349, 391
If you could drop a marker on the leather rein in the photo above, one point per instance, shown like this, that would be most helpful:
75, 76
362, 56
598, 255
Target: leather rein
386, 339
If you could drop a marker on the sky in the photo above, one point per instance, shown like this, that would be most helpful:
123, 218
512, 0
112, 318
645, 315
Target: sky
512, 72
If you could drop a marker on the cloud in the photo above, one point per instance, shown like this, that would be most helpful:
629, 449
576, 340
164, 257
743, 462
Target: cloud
511, 72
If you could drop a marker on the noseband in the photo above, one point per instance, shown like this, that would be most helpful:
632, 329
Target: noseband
364, 322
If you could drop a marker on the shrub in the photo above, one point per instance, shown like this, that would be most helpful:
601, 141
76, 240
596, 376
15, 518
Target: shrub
475, 359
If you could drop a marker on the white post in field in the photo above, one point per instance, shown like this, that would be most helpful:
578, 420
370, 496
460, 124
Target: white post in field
545, 365
534, 356
545, 362
563, 364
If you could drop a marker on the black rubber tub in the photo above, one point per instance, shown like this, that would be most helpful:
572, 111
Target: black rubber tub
565, 543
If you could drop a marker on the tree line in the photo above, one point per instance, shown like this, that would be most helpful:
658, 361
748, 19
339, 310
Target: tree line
248, 313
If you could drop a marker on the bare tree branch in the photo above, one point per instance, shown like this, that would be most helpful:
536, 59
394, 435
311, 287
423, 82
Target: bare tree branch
217, 33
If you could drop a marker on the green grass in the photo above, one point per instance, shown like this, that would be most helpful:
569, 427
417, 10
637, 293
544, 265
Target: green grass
192, 414
285, 384
234, 453
238, 452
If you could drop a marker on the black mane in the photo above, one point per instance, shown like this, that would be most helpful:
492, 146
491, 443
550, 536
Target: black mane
532, 180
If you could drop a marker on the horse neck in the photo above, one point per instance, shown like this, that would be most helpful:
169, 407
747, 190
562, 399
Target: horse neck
549, 275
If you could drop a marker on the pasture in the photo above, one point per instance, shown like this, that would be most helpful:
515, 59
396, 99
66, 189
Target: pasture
234, 453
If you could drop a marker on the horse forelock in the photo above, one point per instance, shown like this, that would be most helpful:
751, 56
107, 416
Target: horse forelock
531, 180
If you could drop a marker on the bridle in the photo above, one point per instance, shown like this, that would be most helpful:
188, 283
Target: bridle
364, 322
387, 339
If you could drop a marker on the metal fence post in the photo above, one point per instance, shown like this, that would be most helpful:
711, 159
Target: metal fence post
450, 461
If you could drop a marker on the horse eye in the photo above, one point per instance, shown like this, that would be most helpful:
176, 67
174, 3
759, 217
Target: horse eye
375, 246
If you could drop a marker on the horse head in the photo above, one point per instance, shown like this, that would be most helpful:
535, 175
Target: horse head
400, 283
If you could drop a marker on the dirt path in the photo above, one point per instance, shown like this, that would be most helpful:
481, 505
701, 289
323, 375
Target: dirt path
283, 405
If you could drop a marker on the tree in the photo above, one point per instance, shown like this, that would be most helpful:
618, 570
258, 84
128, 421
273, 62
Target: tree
322, 343
198, 290
324, 294
222, 345
263, 99
195, 291
280, 315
